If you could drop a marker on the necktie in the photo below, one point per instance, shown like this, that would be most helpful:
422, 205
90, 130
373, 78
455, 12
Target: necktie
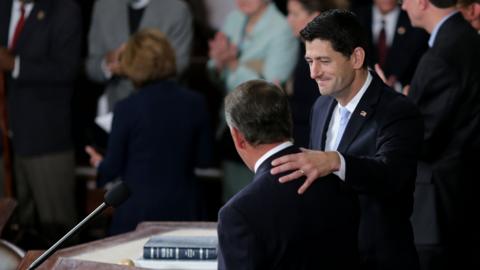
344, 114
18, 27
382, 46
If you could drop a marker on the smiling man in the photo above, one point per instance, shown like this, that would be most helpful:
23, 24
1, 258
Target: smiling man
364, 133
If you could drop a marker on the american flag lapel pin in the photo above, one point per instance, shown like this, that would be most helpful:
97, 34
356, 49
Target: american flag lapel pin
40, 15
363, 113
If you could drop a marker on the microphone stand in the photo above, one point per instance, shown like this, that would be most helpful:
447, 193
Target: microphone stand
67, 236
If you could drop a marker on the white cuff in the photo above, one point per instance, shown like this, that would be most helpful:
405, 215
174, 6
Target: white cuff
341, 171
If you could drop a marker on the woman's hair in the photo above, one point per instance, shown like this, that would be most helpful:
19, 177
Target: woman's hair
148, 56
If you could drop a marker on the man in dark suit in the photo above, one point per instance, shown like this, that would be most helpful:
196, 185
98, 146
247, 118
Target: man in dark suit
364, 133
267, 225
446, 89
393, 42
40, 54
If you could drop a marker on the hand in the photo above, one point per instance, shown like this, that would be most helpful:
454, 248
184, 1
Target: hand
406, 89
7, 60
312, 164
112, 59
218, 49
95, 157
231, 57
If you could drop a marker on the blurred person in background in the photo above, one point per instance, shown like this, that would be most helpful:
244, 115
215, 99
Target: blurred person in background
40, 43
114, 21
446, 90
303, 90
159, 135
255, 42
394, 43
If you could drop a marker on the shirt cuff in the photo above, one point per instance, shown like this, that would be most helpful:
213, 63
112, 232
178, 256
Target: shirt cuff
341, 171
16, 67
106, 71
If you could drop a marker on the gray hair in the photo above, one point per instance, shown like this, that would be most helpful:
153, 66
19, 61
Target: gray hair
260, 111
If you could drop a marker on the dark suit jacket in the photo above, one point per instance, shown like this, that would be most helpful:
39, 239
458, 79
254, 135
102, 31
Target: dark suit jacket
39, 99
267, 225
408, 46
446, 88
159, 134
380, 145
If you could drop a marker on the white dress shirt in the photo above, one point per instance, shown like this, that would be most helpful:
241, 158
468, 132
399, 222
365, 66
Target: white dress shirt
334, 124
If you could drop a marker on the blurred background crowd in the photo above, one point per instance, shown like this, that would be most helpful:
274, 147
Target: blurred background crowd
132, 90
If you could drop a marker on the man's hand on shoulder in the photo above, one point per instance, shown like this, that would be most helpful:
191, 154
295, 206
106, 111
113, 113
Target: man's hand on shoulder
308, 163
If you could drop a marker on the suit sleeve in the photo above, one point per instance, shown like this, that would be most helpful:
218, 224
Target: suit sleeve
115, 159
60, 65
441, 101
96, 46
181, 38
391, 170
237, 242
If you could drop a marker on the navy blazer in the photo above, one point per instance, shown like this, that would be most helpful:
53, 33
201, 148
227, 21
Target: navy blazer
159, 135
403, 55
381, 146
267, 225
39, 100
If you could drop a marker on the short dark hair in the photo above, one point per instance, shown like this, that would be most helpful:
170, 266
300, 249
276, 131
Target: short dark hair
260, 111
341, 28
444, 3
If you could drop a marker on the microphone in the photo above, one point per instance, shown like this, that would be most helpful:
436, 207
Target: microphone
114, 197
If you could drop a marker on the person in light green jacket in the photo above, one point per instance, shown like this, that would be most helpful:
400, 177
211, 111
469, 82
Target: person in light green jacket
256, 42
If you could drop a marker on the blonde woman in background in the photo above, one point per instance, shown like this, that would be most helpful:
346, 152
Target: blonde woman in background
159, 135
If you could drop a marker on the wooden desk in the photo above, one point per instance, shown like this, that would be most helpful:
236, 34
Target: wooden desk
65, 258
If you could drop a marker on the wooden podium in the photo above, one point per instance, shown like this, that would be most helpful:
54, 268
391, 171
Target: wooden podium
128, 243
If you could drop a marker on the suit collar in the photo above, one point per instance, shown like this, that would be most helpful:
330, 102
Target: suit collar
436, 29
267, 164
271, 152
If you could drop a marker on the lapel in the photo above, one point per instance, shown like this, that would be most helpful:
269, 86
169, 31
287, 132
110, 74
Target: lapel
323, 123
39, 14
5, 13
364, 111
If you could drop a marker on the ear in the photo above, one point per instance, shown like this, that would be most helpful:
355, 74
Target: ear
423, 4
357, 58
238, 138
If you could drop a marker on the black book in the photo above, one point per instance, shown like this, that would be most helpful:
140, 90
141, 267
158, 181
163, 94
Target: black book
169, 247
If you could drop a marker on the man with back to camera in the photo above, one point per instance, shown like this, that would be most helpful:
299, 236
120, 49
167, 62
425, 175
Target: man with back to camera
446, 89
267, 225
366, 134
